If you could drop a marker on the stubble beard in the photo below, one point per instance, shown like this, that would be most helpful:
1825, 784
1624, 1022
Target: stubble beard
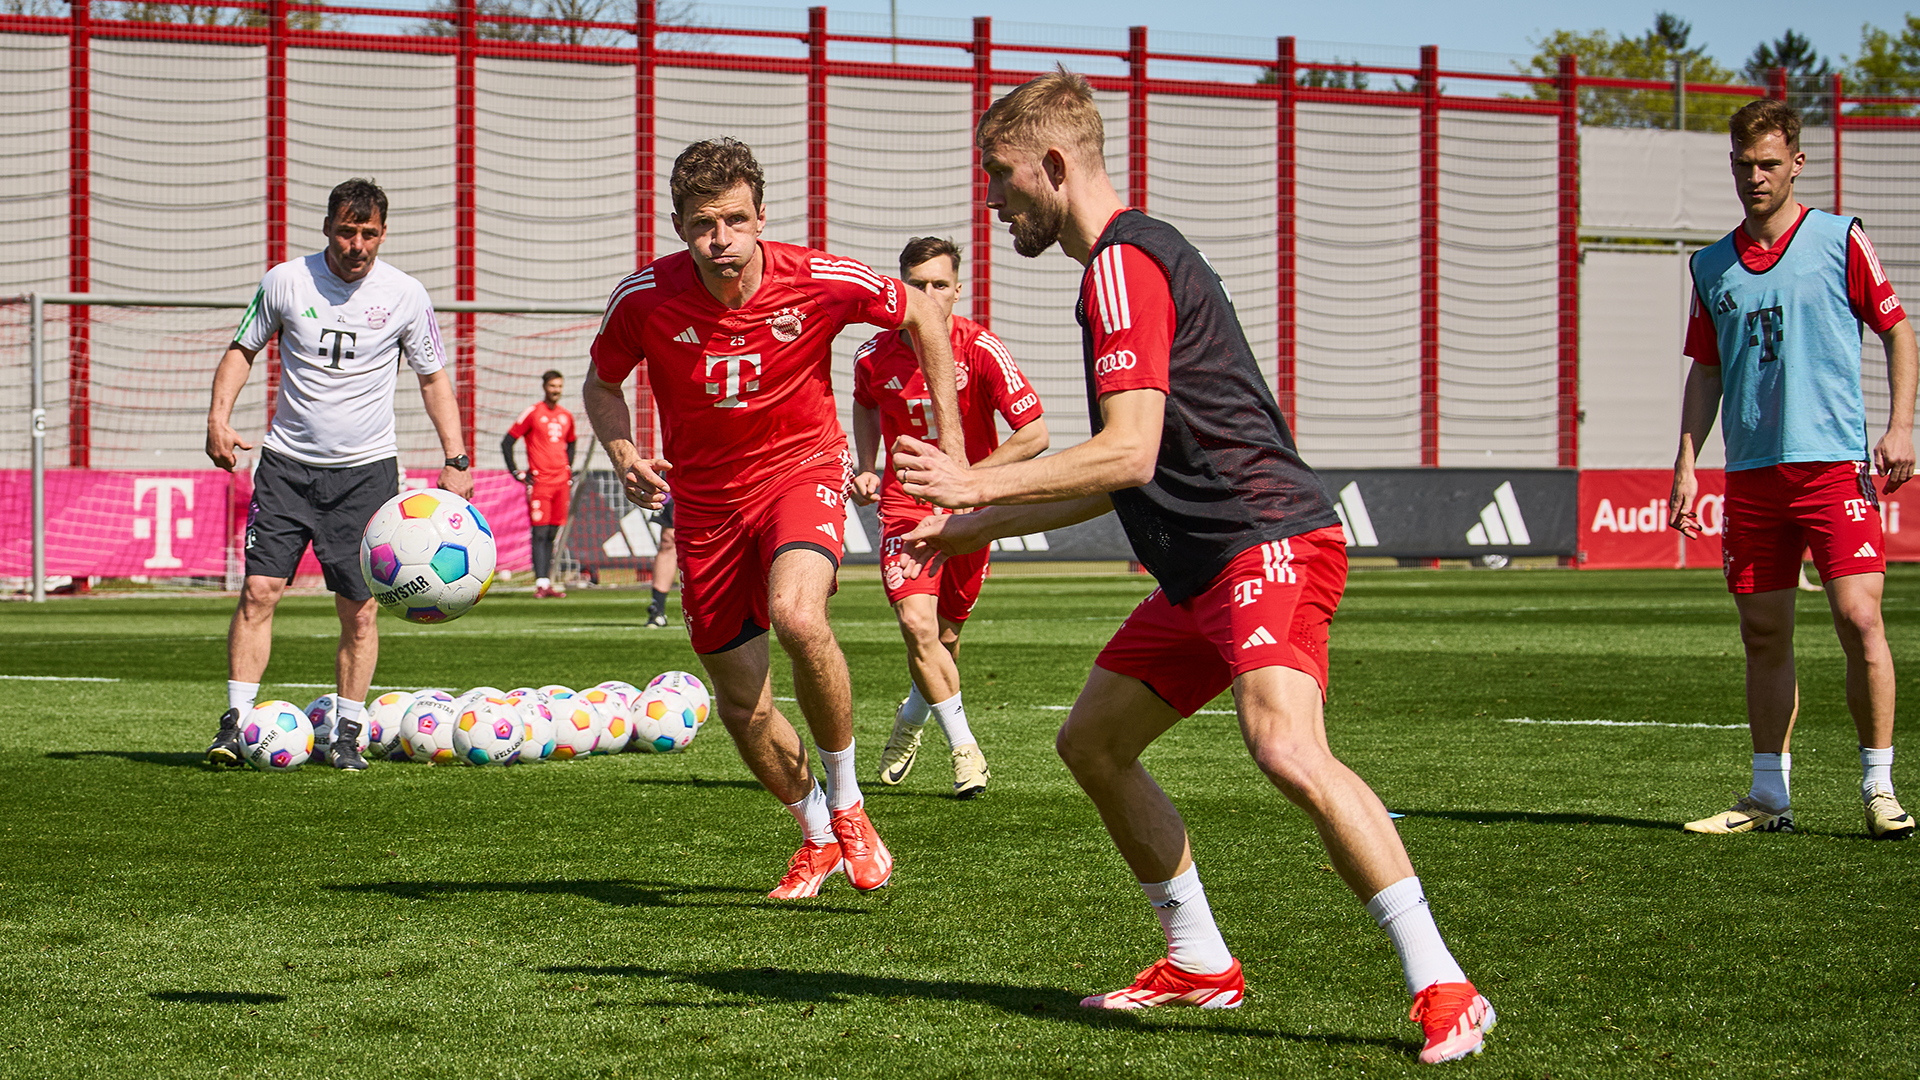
1039, 228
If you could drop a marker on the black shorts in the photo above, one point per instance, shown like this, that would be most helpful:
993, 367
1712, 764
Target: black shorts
294, 503
663, 517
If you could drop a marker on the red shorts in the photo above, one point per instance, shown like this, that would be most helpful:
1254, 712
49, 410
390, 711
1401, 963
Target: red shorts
1271, 607
724, 560
547, 503
1776, 512
956, 584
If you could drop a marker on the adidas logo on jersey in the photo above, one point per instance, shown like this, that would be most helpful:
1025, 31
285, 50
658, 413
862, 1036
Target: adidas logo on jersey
1258, 637
894, 384
308, 314
687, 336
1866, 552
828, 529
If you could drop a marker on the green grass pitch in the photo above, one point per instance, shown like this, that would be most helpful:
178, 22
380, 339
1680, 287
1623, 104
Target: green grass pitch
608, 918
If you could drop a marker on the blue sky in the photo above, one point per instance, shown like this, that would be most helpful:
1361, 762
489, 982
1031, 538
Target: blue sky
1507, 27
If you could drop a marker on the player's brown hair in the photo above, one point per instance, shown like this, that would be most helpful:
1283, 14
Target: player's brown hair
360, 199
713, 167
921, 248
550, 376
1055, 109
1760, 118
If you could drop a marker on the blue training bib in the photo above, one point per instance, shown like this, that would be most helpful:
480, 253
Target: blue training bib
1789, 349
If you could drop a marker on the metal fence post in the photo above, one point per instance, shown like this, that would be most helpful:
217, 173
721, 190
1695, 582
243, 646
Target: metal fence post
79, 234
464, 367
1286, 296
982, 217
817, 128
1429, 256
1137, 117
1567, 88
37, 397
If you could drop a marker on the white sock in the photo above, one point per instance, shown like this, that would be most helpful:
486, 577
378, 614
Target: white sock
345, 710
953, 720
811, 813
1401, 910
241, 695
1770, 781
1876, 770
914, 709
1193, 941
542, 582
843, 786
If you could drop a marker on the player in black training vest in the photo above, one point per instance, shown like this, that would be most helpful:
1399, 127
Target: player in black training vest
1190, 449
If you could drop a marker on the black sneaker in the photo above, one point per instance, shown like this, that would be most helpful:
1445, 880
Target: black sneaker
345, 751
656, 618
226, 749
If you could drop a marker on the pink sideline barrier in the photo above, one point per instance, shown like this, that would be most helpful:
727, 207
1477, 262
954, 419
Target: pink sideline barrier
179, 523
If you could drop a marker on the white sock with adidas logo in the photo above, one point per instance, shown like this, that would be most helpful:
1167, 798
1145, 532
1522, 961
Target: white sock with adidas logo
1193, 940
1401, 910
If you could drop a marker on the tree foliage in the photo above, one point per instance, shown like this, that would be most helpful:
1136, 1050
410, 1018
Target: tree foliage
1888, 66
1652, 55
1321, 80
1809, 75
441, 20
145, 11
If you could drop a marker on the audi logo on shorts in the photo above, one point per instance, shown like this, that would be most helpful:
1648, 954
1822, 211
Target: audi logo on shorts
1117, 361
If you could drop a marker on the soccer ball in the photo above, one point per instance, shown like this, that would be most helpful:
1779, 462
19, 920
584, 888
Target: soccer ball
539, 717
576, 726
461, 701
690, 688
277, 736
426, 728
663, 720
428, 556
628, 694
614, 718
488, 730
324, 714
382, 721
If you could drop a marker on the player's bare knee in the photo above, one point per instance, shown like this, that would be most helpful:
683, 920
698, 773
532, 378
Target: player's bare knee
918, 628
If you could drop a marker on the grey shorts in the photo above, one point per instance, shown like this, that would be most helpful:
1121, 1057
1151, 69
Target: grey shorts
295, 504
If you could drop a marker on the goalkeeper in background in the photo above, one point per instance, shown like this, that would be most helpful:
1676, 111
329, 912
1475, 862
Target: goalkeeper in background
548, 429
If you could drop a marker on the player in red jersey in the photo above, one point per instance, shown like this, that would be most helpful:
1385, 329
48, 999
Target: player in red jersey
890, 400
737, 335
548, 429
1192, 452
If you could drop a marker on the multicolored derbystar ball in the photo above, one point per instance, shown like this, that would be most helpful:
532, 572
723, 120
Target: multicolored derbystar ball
277, 736
428, 555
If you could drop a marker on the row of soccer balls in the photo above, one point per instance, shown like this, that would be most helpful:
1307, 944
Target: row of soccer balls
489, 726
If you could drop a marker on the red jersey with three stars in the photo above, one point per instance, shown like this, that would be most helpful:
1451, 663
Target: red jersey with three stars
548, 432
745, 396
887, 378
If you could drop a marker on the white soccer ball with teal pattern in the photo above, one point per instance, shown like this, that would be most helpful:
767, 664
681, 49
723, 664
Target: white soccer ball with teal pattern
428, 555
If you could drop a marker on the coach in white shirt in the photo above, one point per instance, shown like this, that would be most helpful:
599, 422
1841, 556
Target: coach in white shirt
329, 459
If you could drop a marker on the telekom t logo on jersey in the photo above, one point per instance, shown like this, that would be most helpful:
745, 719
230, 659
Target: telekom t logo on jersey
1856, 509
162, 528
921, 411
1246, 592
737, 375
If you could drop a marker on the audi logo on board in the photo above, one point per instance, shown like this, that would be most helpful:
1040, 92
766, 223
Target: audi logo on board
1118, 360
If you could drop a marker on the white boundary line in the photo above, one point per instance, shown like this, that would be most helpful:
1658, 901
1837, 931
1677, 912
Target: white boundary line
56, 678
1620, 723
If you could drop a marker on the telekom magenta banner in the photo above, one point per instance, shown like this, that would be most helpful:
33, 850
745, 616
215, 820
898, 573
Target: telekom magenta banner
180, 523
1623, 521
103, 523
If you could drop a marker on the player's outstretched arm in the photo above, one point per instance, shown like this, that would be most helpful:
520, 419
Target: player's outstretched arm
1122, 455
643, 478
927, 325
1698, 406
1894, 455
941, 535
222, 441
866, 446
436, 391
1029, 441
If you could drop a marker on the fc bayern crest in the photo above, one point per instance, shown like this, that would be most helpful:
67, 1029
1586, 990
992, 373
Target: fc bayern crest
377, 317
786, 325
959, 373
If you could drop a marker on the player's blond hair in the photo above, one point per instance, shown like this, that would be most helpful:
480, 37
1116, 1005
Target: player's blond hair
1761, 118
1055, 109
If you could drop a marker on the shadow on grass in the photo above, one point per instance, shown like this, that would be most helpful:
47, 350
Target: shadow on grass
697, 782
175, 760
1039, 1002
217, 997
614, 893
1478, 817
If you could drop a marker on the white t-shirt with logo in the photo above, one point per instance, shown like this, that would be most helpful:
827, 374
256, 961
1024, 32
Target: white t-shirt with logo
340, 349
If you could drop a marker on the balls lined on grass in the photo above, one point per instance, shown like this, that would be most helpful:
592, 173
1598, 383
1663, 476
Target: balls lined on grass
428, 555
488, 730
426, 728
277, 736
535, 710
690, 688
663, 720
613, 718
576, 725
382, 721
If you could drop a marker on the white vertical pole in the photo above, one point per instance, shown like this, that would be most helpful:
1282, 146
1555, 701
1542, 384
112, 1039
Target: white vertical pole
893, 27
36, 363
